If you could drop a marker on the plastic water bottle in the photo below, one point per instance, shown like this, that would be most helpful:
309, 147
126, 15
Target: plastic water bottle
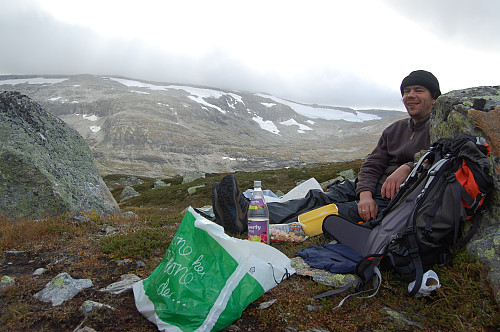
258, 216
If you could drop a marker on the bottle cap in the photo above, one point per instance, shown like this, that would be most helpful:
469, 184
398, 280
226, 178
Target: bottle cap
257, 184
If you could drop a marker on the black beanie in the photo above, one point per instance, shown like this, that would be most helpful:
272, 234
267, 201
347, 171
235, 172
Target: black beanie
424, 78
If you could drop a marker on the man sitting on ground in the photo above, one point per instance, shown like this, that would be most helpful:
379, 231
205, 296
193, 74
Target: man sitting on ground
383, 171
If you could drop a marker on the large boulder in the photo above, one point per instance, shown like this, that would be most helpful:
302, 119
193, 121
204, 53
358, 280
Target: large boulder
476, 111
46, 168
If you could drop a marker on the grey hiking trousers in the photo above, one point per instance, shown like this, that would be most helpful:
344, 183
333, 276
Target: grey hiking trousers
343, 194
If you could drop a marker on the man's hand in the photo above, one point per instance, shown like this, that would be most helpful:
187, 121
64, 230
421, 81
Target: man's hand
367, 208
393, 181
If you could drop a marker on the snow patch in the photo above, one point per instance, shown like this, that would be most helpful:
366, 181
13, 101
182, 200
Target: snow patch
366, 116
237, 97
266, 125
140, 92
36, 80
202, 101
292, 122
91, 117
54, 98
268, 104
231, 105
95, 129
196, 94
323, 112
234, 159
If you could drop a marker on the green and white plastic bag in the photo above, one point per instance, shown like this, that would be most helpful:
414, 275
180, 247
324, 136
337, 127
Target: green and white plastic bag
207, 278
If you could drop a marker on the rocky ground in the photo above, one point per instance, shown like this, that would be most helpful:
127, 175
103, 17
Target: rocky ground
103, 251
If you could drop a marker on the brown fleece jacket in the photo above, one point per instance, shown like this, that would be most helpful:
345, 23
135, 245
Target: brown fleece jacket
397, 146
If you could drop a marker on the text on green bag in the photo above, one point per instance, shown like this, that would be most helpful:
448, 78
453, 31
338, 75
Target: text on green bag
173, 268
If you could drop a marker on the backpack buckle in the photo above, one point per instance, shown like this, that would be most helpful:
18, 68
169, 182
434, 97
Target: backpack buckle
408, 230
427, 232
477, 202
451, 178
413, 252
394, 238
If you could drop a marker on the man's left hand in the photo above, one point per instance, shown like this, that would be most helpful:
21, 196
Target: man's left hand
394, 181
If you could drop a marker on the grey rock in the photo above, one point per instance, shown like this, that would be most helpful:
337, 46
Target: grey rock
62, 288
321, 276
348, 174
192, 176
486, 247
122, 262
7, 281
39, 271
192, 190
476, 111
314, 307
110, 230
89, 306
329, 182
159, 184
14, 252
80, 218
46, 167
400, 320
128, 181
268, 304
129, 214
127, 193
125, 284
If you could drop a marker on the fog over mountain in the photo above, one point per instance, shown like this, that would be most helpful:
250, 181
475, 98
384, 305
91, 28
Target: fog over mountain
161, 129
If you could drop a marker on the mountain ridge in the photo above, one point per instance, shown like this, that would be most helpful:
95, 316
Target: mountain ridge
160, 129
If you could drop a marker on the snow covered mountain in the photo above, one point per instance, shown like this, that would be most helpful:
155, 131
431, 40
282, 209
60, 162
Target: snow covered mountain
159, 130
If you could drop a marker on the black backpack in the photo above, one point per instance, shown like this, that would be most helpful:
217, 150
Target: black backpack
423, 223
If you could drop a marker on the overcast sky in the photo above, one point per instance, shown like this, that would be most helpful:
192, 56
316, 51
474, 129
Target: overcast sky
343, 53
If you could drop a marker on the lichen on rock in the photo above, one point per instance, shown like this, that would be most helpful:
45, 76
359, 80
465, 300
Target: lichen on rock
46, 167
476, 111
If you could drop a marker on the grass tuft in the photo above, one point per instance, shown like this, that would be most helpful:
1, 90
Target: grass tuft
138, 244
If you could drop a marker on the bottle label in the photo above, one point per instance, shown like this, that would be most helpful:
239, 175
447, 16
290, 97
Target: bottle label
257, 230
257, 204
257, 220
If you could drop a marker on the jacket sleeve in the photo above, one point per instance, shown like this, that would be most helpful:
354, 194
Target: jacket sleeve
374, 167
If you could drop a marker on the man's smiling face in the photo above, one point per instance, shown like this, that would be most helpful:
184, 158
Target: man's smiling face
418, 101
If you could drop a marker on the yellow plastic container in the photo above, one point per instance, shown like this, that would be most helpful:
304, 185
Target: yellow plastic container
313, 220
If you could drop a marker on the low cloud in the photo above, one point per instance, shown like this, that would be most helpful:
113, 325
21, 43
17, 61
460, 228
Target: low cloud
37, 43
